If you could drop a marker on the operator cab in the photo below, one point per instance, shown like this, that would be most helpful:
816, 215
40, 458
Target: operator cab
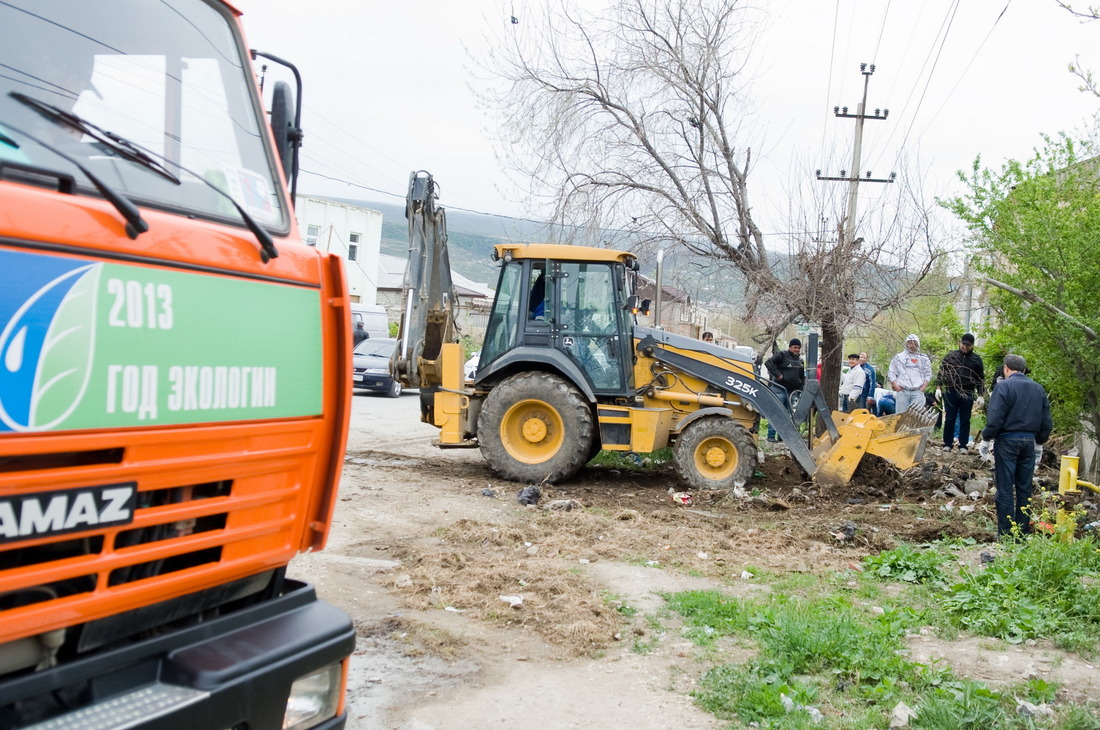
567, 307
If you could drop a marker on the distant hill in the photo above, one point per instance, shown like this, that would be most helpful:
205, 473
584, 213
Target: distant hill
473, 235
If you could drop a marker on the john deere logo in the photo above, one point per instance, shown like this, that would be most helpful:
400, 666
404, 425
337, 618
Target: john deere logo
47, 333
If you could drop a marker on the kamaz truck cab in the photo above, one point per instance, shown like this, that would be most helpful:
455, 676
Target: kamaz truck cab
163, 455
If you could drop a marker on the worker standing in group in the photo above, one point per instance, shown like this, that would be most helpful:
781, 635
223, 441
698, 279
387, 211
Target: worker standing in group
962, 378
1018, 418
852, 385
869, 385
788, 374
910, 372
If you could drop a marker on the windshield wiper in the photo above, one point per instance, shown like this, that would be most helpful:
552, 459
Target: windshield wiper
135, 153
118, 144
135, 224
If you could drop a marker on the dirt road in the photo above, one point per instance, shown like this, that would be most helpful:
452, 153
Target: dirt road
473, 611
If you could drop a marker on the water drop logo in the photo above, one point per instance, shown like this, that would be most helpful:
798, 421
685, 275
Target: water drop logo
47, 338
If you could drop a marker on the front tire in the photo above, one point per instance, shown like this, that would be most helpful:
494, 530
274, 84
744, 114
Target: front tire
535, 426
395, 388
714, 453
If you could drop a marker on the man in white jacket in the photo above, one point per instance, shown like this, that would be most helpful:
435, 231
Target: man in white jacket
852, 386
910, 372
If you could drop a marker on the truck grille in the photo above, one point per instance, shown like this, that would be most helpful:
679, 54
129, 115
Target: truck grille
243, 515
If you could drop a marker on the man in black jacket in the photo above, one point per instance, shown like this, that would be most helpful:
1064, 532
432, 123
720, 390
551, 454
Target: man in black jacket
1018, 417
961, 377
787, 373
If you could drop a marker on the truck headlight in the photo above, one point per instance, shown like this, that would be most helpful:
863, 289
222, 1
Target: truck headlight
314, 698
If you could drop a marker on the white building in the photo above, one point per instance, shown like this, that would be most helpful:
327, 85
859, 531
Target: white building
352, 232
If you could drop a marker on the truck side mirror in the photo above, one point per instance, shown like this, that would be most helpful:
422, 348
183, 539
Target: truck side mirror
282, 127
644, 308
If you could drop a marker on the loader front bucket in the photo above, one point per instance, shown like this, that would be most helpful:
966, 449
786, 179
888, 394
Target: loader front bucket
899, 439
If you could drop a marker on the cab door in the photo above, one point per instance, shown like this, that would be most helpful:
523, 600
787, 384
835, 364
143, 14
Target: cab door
590, 321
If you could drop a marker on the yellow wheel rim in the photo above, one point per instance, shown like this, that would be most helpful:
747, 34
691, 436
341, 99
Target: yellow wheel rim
532, 431
716, 458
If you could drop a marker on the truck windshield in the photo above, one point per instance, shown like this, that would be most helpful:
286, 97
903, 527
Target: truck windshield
168, 76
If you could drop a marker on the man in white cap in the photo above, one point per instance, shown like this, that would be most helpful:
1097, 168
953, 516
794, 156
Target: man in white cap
909, 374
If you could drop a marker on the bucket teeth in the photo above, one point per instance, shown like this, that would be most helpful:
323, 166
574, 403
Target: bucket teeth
918, 418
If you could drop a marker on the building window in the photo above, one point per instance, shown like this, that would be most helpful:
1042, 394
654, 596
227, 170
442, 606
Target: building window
353, 251
311, 235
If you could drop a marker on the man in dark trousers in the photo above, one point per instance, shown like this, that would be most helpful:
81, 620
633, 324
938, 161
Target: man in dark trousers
1018, 417
962, 379
788, 374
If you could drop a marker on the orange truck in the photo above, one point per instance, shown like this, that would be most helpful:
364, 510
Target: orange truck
174, 380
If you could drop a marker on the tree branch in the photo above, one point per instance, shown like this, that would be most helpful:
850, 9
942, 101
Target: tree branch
1089, 332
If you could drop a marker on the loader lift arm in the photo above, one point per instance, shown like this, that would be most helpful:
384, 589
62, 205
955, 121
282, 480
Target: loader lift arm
759, 395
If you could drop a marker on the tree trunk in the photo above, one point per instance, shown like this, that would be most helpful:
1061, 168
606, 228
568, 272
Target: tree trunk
832, 342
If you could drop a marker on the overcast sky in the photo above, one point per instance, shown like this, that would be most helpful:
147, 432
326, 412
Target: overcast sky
387, 89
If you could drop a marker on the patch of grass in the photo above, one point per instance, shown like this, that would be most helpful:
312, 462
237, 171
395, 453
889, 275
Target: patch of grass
1040, 587
630, 461
828, 655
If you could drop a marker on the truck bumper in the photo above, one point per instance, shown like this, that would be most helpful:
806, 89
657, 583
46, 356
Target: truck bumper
233, 671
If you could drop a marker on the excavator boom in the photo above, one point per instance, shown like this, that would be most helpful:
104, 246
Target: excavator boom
428, 317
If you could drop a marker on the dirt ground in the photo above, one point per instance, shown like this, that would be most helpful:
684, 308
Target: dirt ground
475, 611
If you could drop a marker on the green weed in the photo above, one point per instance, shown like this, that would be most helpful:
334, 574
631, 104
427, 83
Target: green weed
909, 565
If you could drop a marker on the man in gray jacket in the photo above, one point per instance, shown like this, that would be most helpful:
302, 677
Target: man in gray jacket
909, 374
1018, 417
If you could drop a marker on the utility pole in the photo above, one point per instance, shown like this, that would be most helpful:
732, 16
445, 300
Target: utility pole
854, 179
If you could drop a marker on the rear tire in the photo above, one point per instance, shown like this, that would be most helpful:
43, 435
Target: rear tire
535, 426
714, 453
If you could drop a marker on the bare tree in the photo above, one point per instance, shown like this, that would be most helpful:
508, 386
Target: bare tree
632, 119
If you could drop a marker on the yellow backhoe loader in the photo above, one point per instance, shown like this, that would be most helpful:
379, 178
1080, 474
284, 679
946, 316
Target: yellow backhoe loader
565, 372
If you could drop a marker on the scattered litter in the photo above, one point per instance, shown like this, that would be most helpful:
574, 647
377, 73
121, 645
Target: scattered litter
563, 505
487, 492
901, 715
1092, 526
791, 706
452, 609
529, 495
1027, 709
403, 581
855, 566
846, 532
746, 575
653, 563
976, 487
682, 498
513, 601
857, 500
584, 561
702, 555
374, 680
533, 550
988, 557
